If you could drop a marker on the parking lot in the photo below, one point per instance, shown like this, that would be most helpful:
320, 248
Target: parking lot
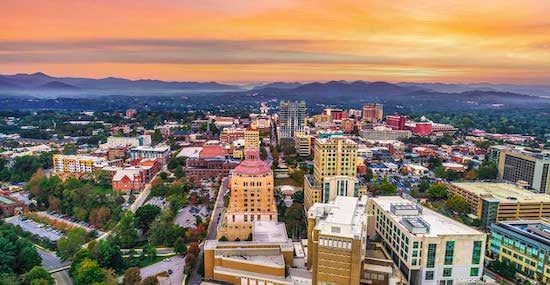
68, 220
186, 216
158, 201
35, 228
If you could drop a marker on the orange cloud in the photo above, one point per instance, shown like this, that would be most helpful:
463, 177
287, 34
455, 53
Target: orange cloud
410, 40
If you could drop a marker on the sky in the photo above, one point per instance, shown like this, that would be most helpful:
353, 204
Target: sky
499, 41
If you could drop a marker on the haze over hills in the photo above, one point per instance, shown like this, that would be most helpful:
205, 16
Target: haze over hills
51, 92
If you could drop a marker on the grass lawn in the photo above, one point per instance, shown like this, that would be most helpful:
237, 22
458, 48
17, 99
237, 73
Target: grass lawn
286, 181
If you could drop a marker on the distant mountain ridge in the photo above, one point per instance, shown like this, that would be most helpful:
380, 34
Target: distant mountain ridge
40, 80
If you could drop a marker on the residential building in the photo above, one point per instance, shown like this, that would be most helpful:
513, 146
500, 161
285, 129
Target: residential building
251, 199
142, 140
373, 112
396, 122
427, 247
303, 144
334, 171
525, 245
162, 152
77, 164
292, 116
229, 135
492, 202
517, 164
381, 133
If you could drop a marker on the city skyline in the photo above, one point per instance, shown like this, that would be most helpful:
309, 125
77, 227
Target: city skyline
421, 41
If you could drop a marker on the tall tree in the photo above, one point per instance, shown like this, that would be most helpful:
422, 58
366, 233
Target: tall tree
132, 276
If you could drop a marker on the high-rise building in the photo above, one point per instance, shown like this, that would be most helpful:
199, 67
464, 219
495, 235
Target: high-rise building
427, 247
373, 112
252, 198
334, 171
396, 122
492, 202
526, 245
292, 117
337, 240
524, 166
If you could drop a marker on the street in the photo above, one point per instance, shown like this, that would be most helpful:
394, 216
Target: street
175, 264
51, 261
195, 277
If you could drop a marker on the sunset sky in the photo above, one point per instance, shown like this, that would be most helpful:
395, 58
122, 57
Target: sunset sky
250, 41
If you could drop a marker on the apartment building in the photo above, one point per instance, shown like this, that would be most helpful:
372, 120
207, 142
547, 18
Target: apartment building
526, 245
427, 247
517, 164
334, 171
77, 164
251, 139
381, 133
492, 202
251, 199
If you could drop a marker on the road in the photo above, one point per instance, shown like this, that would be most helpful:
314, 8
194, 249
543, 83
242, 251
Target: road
142, 196
195, 277
269, 158
51, 261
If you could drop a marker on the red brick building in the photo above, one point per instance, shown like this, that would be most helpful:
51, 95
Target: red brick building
205, 168
128, 179
10, 207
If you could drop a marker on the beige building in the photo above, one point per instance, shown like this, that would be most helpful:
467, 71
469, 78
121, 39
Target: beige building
267, 259
251, 199
517, 164
334, 171
251, 139
77, 164
427, 247
492, 202
303, 144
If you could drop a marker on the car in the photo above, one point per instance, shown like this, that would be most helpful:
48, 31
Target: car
167, 259
169, 271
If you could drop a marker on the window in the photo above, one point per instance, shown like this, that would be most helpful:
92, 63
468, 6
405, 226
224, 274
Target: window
476, 252
449, 252
447, 272
430, 263
474, 271
429, 275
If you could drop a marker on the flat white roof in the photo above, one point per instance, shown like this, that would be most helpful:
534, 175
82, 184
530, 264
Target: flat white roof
269, 231
192, 152
345, 216
439, 224
503, 192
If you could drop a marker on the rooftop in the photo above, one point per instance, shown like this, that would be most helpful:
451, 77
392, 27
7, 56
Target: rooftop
436, 224
6, 201
269, 231
537, 230
345, 216
503, 192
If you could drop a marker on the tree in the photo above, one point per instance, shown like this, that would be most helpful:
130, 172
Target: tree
70, 149
89, 272
180, 247
440, 172
28, 258
132, 276
156, 138
151, 280
387, 189
298, 197
458, 204
145, 216
38, 274
8, 252
179, 173
109, 255
424, 185
368, 175
193, 248
487, 170
68, 245
125, 233
295, 220
437, 191
150, 252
